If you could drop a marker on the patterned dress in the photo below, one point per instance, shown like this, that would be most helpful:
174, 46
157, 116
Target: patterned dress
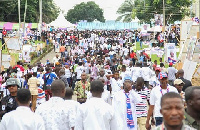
82, 89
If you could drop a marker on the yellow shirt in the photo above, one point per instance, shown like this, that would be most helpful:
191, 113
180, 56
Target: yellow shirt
33, 85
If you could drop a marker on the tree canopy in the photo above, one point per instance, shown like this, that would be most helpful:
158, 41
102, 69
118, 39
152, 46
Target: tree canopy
174, 9
125, 11
144, 10
85, 11
9, 11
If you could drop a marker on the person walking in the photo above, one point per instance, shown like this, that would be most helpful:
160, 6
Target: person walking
33, 84
57, 115
155, 97
172, 109
22, 118
124, 103
96, 114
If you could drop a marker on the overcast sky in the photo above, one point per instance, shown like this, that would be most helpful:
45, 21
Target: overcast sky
109, 6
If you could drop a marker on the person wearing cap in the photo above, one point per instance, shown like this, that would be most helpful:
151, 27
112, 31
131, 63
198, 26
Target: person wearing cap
187, 83
22, 117
154, 79
171, 71
8, 103
124, 103
155, 98
178, 84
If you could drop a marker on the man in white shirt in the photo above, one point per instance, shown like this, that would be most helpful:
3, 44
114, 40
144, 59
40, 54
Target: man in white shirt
79, 70
155, 97
96, 114
124, 103
55, 59
57, 115
68, 100
146, 74
171, 73
22, 118
136, 71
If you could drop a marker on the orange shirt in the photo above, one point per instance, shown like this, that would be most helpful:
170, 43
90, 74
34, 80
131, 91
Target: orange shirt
62, 49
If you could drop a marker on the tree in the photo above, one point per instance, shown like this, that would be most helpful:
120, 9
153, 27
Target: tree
9, 11
125, 11
175, 10
85, 11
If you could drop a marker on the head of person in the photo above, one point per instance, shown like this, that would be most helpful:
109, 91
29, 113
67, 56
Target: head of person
162, 77
34, 74
178, 84
172, 109
61, 72
68, 93
155, 62
30, 66
123, 68
127, 83
84, 76
157, 71
12, 84
58, 88
23, 97
180, 73
97, 88
170, 64
139, 83
162, 65
57, 56
80, 63
47, 69
172, 54
102, 72
192, 98
116, 75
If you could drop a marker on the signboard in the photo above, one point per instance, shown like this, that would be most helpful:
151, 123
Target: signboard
26, 53
6, 60
12, 43
191, 47
158, 19
171, 52
189, 69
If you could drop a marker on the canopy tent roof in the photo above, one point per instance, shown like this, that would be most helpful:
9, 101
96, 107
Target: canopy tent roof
155, 29
61, 22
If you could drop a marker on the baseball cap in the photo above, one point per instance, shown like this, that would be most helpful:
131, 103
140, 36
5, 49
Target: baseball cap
170, 63
178, 81
157, 68
128, 78
162, 75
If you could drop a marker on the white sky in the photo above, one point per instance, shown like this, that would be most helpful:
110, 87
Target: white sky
109, 6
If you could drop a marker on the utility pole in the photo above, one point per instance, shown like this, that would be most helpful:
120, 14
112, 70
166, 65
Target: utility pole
199, 19
25, 19
40, 22
164, 20
19, 16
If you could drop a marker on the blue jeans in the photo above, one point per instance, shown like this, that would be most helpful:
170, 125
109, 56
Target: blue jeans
158, 120
141, 44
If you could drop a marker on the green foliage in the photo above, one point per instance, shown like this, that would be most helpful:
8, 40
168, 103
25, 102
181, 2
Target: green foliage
174, 9
125, 11
9, 11
85, 11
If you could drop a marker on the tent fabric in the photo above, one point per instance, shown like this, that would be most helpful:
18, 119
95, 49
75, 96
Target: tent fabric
12, 26
61, 22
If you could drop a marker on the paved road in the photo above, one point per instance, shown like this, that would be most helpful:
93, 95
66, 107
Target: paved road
49, 56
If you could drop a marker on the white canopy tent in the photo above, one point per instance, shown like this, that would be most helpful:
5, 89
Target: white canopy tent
61, 22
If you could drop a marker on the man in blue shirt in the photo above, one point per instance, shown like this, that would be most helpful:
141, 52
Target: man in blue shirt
48, 79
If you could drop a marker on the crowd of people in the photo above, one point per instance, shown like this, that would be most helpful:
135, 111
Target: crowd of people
100, 82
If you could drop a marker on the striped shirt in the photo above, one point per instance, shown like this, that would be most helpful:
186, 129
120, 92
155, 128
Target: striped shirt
141, 108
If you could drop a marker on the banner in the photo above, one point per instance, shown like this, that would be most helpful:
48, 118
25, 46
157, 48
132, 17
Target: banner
191, 47
189, 69
26, 53
171, 52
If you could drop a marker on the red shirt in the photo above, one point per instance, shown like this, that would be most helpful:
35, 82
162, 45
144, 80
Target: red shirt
132, 55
